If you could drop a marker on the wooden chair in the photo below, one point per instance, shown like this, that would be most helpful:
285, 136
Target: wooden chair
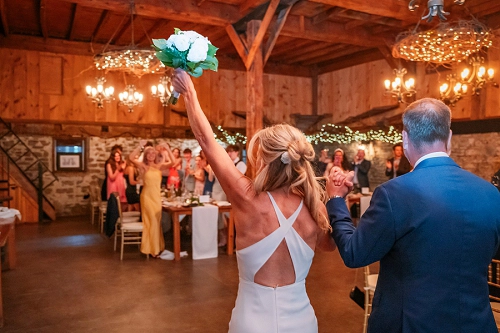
370, 285
127, 228
494, 284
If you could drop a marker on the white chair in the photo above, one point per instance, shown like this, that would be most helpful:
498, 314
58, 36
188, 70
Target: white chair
97, 206
370, 285
128, 228
494, 283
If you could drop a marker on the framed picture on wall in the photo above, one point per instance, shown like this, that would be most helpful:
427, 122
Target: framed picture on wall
69, 154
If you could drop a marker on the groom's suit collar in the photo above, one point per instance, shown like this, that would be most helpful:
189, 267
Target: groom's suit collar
436, 161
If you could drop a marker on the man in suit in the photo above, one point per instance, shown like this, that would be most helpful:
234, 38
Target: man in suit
434, 230
361, 168
398, 165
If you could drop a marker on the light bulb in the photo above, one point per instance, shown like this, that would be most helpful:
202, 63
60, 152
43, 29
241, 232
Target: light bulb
465, 73
387, 84
491, 72
88, 89
153, 90
464, 88
161, 89
443, 87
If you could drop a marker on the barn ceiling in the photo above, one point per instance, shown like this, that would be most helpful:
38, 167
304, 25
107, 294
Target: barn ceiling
304, 38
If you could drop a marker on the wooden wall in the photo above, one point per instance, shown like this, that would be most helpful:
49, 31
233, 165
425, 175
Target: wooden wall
44, 87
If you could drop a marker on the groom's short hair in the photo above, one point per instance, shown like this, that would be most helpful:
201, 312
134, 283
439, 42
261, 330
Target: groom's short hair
426, 121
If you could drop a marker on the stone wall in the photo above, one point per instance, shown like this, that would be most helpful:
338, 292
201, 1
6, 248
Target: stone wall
478, 153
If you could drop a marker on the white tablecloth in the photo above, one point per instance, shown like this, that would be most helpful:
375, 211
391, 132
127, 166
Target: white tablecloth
205, 232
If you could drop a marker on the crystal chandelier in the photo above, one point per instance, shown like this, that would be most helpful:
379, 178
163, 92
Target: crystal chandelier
99, 94
474, 78
400, 88
445, 44
163, 90
130, 98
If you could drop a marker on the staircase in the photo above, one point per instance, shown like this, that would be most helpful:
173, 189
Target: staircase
19, 162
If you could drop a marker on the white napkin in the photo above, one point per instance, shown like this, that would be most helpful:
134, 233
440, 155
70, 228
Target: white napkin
223, 203
8, 215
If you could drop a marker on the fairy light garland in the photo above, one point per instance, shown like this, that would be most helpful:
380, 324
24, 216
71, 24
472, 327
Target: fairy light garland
329, 133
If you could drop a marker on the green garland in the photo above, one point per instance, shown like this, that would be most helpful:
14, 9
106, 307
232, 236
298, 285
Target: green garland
329, 133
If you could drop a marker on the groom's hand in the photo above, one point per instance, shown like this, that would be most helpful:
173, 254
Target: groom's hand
338, 183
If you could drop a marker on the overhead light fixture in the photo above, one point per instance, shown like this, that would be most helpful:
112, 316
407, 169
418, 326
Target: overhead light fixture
129, 59
445, 44
99, 94
163, 90
130, 98
471, 79
400, 88
436, 8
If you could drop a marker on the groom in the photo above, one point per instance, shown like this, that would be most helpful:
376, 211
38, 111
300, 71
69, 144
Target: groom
434, 230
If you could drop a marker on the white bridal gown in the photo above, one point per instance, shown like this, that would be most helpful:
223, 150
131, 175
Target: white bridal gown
262, 309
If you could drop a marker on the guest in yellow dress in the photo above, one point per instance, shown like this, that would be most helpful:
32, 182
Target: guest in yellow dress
152, 242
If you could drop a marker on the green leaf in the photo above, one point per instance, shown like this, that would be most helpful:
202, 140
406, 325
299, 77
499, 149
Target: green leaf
197, 72
177, 30
211, 50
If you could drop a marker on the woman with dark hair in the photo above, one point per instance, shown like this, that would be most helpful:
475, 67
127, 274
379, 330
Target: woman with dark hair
115, 181
279, 218
152, 242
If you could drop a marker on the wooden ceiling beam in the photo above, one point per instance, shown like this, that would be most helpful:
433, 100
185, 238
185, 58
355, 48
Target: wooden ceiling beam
329, 32
333, 57
127, 25
312, 52
275, 32
237, 42
387, 53
351, 60
391, 8
3, 17
74, 17
159, 24
105, 16
218, 14
259, 37
43, 18
248, 5
326, 15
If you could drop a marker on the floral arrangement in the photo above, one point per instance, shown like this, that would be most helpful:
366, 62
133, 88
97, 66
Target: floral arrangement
187, 50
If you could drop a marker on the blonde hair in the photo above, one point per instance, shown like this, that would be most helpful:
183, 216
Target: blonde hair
267, 147
145, 154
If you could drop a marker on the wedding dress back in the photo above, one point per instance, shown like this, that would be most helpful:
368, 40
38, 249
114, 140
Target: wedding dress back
263, 309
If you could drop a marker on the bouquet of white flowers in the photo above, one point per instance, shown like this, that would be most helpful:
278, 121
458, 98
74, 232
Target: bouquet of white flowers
187, 50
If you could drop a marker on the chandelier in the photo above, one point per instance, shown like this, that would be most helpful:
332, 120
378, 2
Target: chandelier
474, 78
445, 44
130, 98
129, 59
163, 90
99, 94
400, 88
436, 8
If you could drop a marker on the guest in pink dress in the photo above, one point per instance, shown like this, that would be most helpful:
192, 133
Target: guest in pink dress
115, 181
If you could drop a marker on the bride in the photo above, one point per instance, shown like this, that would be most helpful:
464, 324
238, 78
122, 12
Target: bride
279, 219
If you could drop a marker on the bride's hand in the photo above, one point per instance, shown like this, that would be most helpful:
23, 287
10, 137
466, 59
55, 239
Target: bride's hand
181, 81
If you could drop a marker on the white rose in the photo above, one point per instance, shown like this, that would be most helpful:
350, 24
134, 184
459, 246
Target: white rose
180, 42
193, 35
198, 50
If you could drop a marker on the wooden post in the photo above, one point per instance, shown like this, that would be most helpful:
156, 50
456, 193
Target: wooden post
40, 192
255, 88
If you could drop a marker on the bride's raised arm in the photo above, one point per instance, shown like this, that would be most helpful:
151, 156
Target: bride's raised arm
234, 183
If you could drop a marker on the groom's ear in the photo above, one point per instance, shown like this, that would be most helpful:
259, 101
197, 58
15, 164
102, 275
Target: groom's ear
405, 140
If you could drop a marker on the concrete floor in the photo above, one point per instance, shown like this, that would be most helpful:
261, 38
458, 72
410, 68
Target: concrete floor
69, 279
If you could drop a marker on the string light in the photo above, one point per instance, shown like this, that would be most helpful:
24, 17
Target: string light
445, 44
329, 133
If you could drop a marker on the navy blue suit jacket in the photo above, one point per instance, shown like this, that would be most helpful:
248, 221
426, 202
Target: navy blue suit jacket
435, 231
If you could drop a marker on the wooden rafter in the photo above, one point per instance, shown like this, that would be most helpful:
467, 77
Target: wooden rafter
43, 18
387, 53
102, 21
158, 25
393, 8
338, 54
76, 12
247, 5
126, 26
3, 17
275, 32
351, 60
256, 44
238, 44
